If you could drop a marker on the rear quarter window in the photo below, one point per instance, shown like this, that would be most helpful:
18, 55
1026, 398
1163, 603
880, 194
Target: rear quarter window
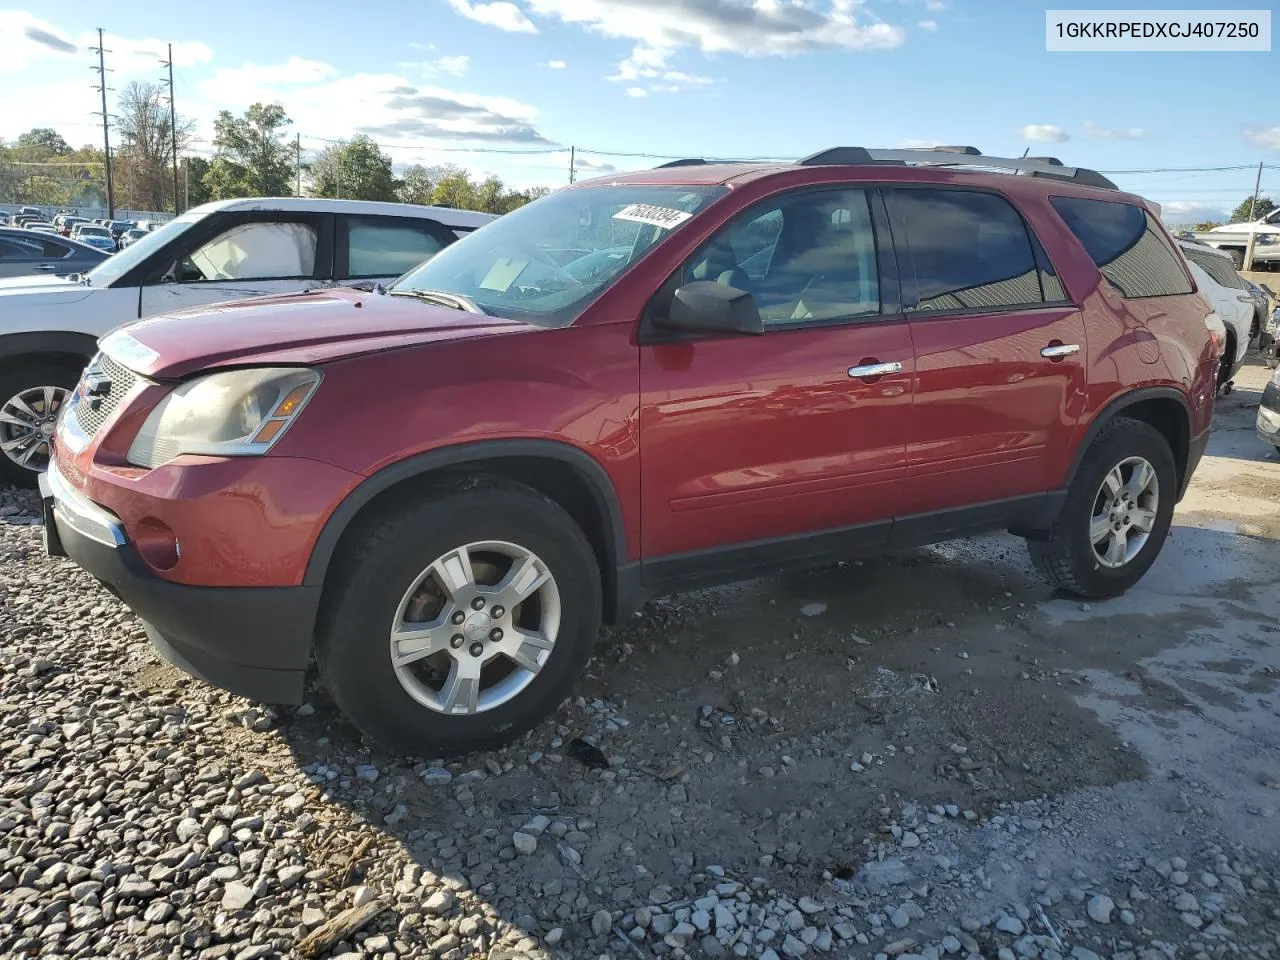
1127, 245
1216, 266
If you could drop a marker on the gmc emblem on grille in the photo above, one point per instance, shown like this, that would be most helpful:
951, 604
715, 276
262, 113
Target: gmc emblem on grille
96, 385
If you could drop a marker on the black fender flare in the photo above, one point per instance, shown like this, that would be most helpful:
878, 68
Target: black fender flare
51, 341
588, 469
1117, 406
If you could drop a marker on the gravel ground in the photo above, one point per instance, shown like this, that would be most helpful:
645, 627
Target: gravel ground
925, 755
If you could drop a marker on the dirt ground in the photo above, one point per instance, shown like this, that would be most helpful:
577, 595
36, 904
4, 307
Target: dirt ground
934, 728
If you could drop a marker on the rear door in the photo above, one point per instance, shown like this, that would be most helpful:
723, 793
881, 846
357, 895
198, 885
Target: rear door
241, 255
373, 249
999, 351
21, 256
758, 443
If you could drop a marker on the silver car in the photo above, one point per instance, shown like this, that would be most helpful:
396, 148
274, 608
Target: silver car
36, 253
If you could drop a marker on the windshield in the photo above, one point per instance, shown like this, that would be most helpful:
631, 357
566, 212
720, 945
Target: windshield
91, 232
111, 269
546, 261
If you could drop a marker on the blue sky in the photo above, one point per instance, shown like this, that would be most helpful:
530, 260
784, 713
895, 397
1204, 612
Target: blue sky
454, 80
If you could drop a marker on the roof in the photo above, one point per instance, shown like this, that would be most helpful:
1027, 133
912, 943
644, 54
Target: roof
446, 215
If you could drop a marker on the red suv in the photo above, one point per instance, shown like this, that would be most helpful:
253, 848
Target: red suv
637, 385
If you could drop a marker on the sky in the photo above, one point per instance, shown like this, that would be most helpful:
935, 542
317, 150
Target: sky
507, 86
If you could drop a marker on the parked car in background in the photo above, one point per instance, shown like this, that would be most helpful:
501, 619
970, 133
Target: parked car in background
1268, 422
130, 236
40, 225
119, 227
228, 250
1262, 298
437, 492
1267, 340
1218, 281
68, 224
94, 236
23, 254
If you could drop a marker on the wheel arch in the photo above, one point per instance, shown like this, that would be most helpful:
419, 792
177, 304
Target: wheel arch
1164, 408
562, 472
57, 345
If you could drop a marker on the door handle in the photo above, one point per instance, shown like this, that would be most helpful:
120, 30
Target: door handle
1056, 351
875, 369
46, 266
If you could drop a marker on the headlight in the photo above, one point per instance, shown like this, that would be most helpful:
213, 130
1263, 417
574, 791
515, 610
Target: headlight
236, 413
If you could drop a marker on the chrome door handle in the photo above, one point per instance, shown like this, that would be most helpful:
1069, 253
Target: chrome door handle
46, 266
875, 369
1060, 350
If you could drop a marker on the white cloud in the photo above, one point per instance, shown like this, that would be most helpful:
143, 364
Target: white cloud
555, 64
928, 25
27, 39
764, 28
1094, 132
637, 92
935, 5
1045, 132
1268, 138
500, 14
456, 66
293, 70
1190, 212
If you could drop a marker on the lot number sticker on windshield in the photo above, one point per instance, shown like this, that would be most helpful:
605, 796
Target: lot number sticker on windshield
664, 217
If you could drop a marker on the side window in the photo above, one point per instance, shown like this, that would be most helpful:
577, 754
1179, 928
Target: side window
52, 249
805, 256
1127, 245
1216, 266
15, 249
254, 251
970, 250
387, 248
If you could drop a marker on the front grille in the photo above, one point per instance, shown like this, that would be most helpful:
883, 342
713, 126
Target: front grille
92, 412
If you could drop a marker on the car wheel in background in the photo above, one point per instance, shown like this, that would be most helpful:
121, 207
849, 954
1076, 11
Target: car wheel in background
458, 620
1116, 515
31, 395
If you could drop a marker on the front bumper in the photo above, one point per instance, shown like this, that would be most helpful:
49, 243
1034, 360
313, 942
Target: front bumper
252, 641
1269, 414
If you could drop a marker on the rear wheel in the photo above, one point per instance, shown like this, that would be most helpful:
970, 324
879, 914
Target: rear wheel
461, 621
1116, 515
31, 396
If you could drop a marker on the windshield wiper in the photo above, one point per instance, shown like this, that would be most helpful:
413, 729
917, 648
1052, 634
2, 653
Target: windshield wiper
453, 300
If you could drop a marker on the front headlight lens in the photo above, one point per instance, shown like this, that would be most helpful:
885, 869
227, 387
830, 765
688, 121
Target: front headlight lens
236, 413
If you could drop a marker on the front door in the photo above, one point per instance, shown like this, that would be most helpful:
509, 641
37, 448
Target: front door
1000, 351
765, 442
250, 255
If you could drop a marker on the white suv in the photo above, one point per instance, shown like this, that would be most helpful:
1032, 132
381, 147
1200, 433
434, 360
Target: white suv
228, 250
1217, 280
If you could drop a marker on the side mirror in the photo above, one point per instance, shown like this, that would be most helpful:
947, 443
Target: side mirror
705, 306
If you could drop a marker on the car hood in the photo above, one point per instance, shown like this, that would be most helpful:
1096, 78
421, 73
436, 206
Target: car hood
301, 328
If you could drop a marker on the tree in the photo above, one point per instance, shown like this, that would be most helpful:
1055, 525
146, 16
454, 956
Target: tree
1241, 213
144, 171
193, 182
48, 141
355, 169
253, 159
418, 185
455, 189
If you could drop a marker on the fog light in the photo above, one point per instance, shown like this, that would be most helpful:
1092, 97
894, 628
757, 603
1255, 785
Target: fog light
156, 543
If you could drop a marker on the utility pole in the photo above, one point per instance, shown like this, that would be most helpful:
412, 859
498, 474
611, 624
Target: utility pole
106, 125
1253, 234
297, 161
173, 130
572, 151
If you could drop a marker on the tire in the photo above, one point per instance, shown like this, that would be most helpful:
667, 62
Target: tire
1066, 556
375, 580
17, 380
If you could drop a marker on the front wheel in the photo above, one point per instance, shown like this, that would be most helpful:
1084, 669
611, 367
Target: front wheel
1116, 515
31, 396
462, 620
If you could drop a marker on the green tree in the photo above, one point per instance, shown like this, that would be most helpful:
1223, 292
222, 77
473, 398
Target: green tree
48, 141
491, 196
252, 158
355, 169
193, 182
418, 185
1241, 213
456, 190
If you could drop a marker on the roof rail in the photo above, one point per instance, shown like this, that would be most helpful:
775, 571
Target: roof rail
686, 162
960, 157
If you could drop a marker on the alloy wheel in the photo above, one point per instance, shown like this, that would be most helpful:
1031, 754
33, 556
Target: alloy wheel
27, 422
1124, 512
475, 627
